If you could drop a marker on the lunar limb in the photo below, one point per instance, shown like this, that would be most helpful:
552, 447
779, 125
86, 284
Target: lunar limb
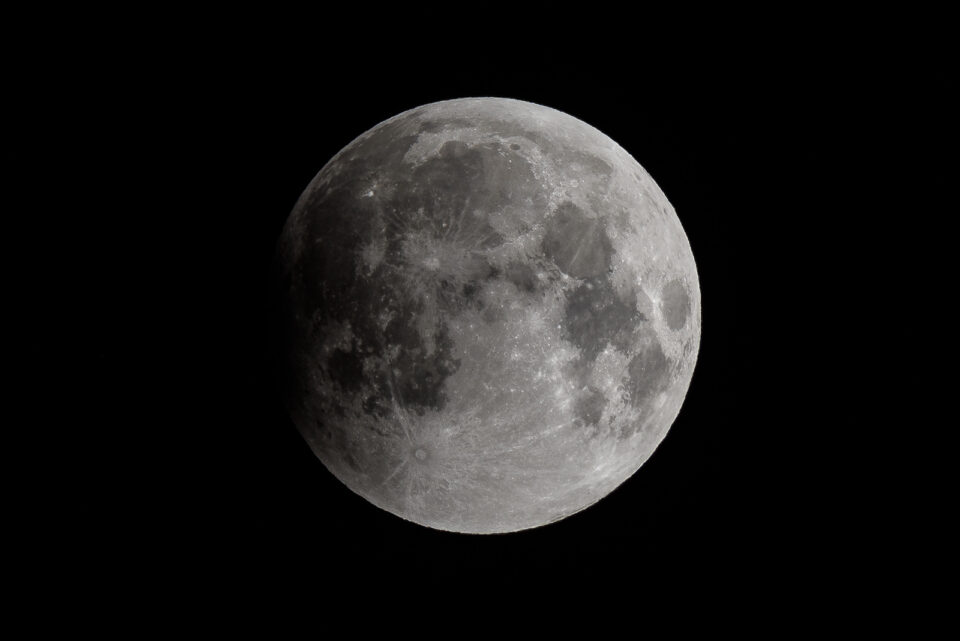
492, 315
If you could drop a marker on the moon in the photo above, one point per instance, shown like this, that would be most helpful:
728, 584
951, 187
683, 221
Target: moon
491, 315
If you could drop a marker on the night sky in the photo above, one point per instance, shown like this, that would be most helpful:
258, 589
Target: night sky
151, 171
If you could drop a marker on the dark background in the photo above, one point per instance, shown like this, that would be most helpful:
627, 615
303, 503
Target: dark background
151, 169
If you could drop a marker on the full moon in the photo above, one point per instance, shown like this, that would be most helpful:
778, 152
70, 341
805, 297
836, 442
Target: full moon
491, 315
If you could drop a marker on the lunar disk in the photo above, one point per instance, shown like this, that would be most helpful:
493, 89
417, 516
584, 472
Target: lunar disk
491, 315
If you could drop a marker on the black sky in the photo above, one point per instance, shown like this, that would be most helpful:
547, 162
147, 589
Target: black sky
151, 169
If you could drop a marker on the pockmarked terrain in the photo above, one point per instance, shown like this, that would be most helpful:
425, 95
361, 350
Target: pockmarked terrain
491, 315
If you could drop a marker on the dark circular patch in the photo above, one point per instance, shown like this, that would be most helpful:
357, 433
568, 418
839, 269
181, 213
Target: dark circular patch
453, 149
577, 244
675, 304
522, 275
589, 406
648, 374
594, 315
346, 369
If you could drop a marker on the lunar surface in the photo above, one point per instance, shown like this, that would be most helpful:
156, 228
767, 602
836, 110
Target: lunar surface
492, 315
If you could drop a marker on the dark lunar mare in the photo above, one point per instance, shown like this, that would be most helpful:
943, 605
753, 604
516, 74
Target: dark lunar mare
328, 284
578, 244
595, 316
